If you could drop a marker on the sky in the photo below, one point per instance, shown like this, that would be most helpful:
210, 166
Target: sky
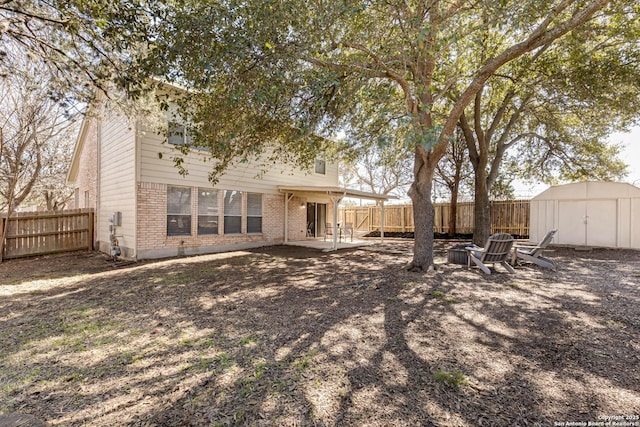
630, 155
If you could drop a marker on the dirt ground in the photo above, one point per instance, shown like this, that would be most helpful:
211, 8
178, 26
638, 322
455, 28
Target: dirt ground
293, 336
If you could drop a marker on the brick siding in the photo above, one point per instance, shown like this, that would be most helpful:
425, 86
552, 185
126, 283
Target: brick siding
152, 222
297, 218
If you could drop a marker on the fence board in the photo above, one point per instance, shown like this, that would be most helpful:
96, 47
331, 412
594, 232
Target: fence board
506, 217
39, 233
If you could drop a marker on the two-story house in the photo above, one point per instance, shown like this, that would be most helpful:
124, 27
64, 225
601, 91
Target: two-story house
146, 209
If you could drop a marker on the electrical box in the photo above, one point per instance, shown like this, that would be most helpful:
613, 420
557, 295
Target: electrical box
117, 219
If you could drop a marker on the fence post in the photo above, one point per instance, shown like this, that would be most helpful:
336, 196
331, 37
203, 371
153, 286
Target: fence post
2, 238
90, 232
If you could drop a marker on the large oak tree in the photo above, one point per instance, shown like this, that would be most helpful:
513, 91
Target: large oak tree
555, 109
263, 71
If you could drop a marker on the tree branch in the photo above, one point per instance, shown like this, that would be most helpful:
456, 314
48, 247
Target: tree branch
541, 36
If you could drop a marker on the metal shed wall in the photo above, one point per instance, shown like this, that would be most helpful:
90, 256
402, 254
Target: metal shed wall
600, 214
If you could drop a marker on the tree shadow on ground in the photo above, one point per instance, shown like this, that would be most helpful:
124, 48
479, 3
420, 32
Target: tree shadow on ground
297, 337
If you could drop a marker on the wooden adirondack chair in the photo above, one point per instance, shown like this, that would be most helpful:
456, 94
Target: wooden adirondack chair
532, 252
496, 251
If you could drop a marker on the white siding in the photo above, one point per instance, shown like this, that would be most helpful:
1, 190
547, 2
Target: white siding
634, 223
242, 177
542, 219
117, 182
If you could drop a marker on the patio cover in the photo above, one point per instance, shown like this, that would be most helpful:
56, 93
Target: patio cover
336, 194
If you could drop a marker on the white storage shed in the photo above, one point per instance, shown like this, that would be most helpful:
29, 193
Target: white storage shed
595, 214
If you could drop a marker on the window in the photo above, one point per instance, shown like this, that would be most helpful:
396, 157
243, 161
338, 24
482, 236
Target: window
207, 211
177, 134
178, 211
232, 212
321, 166
254, 213
86, 199
76, 198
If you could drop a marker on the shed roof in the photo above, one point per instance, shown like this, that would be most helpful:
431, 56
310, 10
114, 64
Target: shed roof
589, 190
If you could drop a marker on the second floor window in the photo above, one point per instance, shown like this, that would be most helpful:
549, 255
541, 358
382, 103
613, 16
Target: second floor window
321, 166
177, 134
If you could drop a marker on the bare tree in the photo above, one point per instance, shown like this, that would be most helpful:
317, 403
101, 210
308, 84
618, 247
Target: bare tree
33, 130
86, 45
452, 171
382, 170
51, 189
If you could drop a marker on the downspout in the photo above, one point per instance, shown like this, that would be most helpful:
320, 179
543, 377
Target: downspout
335, 224
138, 167
97, 227
287, 198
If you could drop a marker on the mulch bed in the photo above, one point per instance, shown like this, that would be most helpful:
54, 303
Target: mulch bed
294, 336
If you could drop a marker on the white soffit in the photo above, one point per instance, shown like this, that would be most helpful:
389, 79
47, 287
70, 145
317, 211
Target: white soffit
333, 191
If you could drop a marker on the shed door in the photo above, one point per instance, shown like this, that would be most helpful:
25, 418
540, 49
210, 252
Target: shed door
587, 222
602, 217
571, 222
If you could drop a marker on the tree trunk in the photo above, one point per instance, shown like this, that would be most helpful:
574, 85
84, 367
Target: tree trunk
48, 197
453, 212
10, 207
5, 224
423, 213
481, 211
453, 209
3, 235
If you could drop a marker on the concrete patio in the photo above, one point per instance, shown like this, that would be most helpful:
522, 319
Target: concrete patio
327, 245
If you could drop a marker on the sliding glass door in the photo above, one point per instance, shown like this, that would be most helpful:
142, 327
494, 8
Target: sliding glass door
316, 219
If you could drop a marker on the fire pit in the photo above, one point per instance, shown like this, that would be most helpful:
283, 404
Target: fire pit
458, 254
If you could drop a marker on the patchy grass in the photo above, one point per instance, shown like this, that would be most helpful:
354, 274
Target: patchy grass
453, 377
292, 336
246, 341
449, 299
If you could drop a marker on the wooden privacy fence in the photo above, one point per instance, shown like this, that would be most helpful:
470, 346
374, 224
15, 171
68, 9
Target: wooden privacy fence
39, 233
506, 217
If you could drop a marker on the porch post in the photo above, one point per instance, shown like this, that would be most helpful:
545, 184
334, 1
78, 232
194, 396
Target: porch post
287, 197
336, 200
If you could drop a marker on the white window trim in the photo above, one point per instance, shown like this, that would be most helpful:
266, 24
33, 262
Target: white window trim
242, 214
190, 215
255, 216
186, 139
315, 163
218, 192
